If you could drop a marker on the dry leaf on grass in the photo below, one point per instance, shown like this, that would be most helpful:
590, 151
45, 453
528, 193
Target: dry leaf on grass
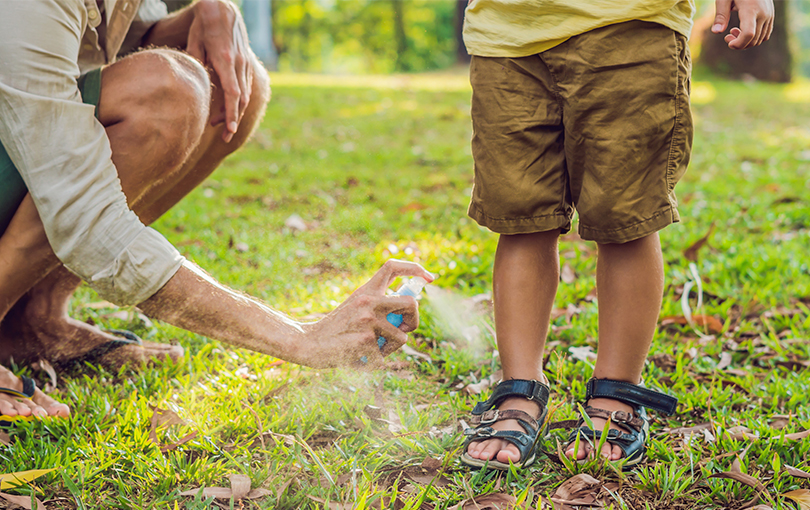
801, 496
725, 361
581, 489
798, 436
431, 465
23, 501
11, 480
496, 501
410, 351
483, 385
167, 418
713, 324
792, 471
741, 433
5, 439
689, 430
742, 478
240, 489
332, 505
691, 252
295, 222
567, 274
584, 353
48, 369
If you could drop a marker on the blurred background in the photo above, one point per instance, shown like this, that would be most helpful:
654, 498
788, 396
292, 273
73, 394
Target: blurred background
405, 36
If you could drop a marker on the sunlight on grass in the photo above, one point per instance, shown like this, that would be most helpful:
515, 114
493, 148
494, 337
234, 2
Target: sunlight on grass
448, 82
798, 91
703, 92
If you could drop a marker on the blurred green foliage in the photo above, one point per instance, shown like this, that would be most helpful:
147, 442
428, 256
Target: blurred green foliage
360, 36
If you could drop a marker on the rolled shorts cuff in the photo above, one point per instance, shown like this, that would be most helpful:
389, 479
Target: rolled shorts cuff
638, 230
526, 225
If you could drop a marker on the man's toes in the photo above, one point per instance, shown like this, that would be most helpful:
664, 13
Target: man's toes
7, 407
21, 407
34, 409
57, 410
50, 406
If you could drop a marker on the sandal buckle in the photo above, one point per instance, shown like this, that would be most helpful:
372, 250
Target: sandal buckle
490, 416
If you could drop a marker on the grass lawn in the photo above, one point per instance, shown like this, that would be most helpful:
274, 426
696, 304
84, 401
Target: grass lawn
380, 166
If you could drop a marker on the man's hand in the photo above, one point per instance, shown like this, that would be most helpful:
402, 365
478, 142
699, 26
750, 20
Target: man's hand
351, 330
756, 22
218, 38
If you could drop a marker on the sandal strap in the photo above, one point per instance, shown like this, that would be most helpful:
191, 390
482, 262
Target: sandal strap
495, 415
632, 394
617, 417
29, 387
531, 390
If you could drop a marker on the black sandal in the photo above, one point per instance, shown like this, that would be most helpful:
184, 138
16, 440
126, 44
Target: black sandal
634, 442
484, 415
27, 393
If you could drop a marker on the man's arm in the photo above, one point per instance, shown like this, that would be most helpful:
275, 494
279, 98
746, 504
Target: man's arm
193, 301
213, 32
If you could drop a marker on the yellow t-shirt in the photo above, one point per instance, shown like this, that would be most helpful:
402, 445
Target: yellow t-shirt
517, 28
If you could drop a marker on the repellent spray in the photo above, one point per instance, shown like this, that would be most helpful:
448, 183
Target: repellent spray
412, 287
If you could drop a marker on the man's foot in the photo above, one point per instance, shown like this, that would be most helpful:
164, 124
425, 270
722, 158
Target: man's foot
40, 405
609, 451
500, 449
59, 338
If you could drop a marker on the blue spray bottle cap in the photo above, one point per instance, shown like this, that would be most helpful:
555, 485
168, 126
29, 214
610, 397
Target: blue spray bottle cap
412, 287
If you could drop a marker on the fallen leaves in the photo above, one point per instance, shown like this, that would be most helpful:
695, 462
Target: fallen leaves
691, 253
792, 471
800, 496
23, 501
496, 501
240, 489
711, 323
581, 489
11, 480
166, 418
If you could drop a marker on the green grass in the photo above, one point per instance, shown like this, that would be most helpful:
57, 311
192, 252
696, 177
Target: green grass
377, 165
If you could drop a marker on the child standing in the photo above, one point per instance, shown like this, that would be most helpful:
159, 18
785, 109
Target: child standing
580, 104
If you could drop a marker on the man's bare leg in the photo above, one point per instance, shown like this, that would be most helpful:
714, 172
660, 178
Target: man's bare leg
525, 278
154, 180
630, 282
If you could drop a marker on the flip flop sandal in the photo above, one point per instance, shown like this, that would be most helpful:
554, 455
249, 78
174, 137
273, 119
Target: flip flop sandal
484, 415
93, 356
634, 442
29, 387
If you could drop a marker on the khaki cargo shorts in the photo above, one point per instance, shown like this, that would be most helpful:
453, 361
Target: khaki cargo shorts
600, 124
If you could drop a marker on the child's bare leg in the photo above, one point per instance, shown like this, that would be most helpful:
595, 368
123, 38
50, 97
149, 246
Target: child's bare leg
630, 283
524, 281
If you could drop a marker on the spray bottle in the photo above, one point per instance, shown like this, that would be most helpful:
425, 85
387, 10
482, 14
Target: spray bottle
412, 287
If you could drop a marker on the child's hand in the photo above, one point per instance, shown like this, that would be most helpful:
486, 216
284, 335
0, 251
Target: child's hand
756, 22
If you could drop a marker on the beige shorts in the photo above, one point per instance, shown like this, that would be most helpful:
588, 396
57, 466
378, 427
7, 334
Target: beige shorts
600, 124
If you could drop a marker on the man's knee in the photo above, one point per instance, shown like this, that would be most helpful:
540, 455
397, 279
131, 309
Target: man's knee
165, 94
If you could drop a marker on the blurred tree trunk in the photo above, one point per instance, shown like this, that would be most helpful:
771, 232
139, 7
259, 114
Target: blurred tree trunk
400, 37
770, 61
462, 57
257, 14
